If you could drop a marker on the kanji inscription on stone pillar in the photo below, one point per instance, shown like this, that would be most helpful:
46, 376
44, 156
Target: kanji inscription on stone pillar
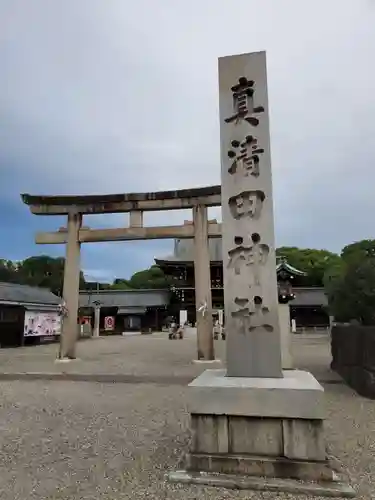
249, 262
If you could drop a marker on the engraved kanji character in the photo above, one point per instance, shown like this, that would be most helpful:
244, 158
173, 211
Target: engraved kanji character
243, 103
247, 203
253, 318
253, 256
242, 315
238, 256
258, 316
258, 256
245, 156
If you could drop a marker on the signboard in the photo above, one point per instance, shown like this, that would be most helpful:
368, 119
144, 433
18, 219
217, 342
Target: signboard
109, 323
183, 317
85, 322
39, 324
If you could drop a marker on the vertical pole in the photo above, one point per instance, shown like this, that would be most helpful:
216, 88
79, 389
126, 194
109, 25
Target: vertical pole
69, 331
285, 337
331, 321
294, 326
97, 321
136, 218
221, 318
203, 300
156, 319
183, 317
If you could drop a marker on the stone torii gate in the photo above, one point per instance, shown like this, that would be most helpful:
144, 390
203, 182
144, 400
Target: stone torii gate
76, 207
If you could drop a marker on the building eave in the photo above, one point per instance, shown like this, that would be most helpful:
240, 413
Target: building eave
290, 269
33, 305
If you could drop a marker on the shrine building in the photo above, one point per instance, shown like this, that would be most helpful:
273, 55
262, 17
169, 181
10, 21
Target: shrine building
307, 308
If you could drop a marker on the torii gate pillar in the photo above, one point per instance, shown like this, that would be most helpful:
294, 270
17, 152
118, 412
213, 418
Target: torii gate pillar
69, 331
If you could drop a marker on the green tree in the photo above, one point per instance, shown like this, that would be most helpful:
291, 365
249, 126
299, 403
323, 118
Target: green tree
8, 270
152, 277
350, 286
334, 273
314, 262
358, 251
120, 284
44, 271
351, 293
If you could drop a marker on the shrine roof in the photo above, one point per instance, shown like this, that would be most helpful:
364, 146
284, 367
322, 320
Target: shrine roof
184, 255
283, 265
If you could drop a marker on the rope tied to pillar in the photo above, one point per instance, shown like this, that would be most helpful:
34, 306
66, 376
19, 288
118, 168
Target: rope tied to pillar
203, 308
63, 310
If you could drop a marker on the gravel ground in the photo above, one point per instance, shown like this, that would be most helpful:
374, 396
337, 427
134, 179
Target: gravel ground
64, 440
149, 355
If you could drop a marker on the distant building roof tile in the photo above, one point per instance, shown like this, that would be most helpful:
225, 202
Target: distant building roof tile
25, 294
124, 298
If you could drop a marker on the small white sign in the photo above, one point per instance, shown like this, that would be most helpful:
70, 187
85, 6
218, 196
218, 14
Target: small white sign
183, 317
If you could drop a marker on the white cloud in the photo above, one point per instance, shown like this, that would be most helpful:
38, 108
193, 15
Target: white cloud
122, 96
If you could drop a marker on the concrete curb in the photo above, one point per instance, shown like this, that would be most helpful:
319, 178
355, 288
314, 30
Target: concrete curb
111, 378
104, 378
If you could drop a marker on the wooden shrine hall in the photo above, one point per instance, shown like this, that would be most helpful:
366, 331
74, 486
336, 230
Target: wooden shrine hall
308, 308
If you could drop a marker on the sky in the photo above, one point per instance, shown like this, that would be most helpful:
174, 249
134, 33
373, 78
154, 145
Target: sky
115, 96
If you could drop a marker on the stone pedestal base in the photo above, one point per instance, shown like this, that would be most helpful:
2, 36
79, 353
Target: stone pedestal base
258, 429
208, 362
66, 360
333, 489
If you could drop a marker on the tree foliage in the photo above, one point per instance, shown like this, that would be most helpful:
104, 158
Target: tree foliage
351, 294
314, 262
351, 286
48, 272
8, 270
360, 250
152, 277
43, 271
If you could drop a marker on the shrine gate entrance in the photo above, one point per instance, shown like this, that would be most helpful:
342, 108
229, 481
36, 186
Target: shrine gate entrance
76, 233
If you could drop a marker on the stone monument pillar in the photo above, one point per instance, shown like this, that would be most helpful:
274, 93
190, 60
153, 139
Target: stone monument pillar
249, 261
254, 425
